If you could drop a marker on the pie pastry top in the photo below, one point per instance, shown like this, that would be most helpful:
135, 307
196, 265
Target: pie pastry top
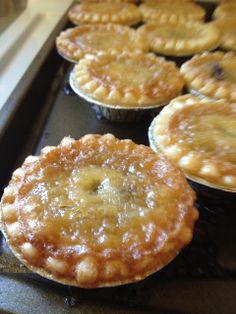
225, 10
212, 75
228, 32
105, 12
148, 81
171, 11
181, 39
200, 136
97, 212
74, 43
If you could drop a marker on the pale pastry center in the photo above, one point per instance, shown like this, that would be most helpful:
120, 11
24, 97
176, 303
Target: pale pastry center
212, 133
130, 72
168, 31
102, 40
104, 8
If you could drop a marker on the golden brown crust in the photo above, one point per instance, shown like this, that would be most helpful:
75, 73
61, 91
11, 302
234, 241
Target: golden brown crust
225, 10
212, 75
76, 42
149, 80
171, 11
207, 153
53, 234
181, 39
104, 12
228, 35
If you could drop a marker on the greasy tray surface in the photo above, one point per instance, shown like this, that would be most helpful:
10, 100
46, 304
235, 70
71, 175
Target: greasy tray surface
200, 280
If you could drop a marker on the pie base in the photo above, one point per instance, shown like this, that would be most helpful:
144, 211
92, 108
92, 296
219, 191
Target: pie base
114, 113
40, 230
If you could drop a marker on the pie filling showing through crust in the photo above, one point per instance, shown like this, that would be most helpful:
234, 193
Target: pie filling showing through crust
171, 11
105, 12
200, 136
74, 43
180, 39
149, 81
97, 212
212, 75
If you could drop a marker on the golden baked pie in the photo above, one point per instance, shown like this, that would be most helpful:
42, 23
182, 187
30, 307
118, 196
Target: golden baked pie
225, 10
200, 136
171, 11
128, 80
97, 212
181, 39
74, 43
212, 75
228, 32
105, 12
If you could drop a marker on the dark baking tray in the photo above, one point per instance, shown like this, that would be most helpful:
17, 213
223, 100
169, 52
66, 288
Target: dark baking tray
202, 279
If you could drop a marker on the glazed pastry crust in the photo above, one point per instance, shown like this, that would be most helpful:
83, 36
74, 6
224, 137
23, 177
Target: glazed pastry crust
76, 42
149, 81
181, 39
225, 10
228, 35
211, 75
171, 12
134, 233
105, 12
209, 165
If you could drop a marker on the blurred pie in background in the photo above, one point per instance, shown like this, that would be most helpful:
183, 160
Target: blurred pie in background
105, 12
212, 75
74, 43
181, 39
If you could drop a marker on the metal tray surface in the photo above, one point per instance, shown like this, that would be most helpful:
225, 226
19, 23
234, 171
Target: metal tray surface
201, 279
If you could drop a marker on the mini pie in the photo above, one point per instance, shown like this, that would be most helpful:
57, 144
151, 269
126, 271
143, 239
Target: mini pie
74, 43
97, 212
212, 75
225, 10
105, 12
181, 39
228, 32
128, 80
171, 11
200, 136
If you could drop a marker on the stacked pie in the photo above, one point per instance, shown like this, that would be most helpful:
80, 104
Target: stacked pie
181, 39
76, 42
97, 212
105, 12
212, 75
199, 135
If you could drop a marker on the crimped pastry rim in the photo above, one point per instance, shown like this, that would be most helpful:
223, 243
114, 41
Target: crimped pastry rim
171, 253
155, 145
